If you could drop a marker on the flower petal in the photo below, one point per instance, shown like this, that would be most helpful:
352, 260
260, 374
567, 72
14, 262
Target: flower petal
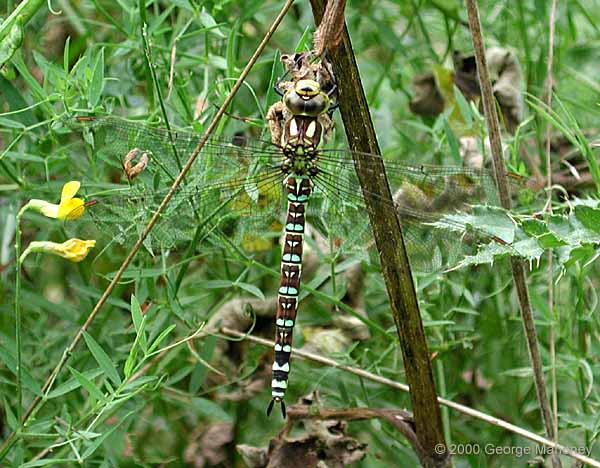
74, 250
72, 208
69, 190
49, 209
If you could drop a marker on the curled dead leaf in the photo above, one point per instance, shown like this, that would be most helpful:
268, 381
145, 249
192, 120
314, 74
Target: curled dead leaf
133, 169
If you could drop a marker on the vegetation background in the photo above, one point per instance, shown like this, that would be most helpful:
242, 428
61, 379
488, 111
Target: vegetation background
89, 56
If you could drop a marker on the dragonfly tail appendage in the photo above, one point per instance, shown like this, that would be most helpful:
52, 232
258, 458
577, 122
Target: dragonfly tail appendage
272, 403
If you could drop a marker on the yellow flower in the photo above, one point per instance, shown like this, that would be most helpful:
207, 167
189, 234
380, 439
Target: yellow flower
74, 250
68, 208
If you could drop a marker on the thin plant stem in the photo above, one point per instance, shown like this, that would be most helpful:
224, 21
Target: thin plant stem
551, 309
518, 270
18, 317
38, 401
463, 409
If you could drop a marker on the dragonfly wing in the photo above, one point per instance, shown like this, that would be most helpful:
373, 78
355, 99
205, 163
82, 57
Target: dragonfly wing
113, 140
231, 205
235, 184
422, 196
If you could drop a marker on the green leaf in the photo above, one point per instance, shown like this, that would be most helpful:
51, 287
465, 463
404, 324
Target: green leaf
159, 339
138, 321
215, 284
10, 416
489, 220
131, 359
305, 40
209, 22
522, 372
538, 229
102, 359
100, 440
589, 217
464, 107
86, 383
73, 384
49, 461
251, 289
589, 375
97, 80
28, 381
452, 142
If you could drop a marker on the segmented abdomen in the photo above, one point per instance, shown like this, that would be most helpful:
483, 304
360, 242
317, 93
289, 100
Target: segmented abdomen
298, 192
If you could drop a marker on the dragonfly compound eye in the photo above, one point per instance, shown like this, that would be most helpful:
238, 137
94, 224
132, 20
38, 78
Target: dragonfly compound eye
308, 106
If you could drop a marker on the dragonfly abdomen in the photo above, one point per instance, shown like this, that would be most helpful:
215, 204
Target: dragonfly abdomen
298, 189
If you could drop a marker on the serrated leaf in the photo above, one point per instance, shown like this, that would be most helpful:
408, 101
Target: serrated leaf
534, 227
489, 220
570, 230
589, 217
86, 383
102, 359
528, 248
539, 230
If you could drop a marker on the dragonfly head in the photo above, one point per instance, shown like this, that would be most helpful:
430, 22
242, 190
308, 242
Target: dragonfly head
306, 99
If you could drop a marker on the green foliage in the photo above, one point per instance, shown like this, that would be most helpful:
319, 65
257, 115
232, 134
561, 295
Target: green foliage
144, 385
574, 235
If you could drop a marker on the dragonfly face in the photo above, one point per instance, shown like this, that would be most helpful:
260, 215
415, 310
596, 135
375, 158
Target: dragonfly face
307, 99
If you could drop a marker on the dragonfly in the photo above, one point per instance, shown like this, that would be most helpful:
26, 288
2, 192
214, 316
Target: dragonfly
247, 188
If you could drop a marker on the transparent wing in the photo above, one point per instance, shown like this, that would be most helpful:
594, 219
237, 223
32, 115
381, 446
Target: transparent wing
237, 206
235, 184
112, 139
422, 195
241, 179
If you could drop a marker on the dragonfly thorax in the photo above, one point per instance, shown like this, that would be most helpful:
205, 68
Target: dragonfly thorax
300, 140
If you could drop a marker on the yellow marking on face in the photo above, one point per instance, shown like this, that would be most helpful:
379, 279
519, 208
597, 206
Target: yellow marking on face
307, 88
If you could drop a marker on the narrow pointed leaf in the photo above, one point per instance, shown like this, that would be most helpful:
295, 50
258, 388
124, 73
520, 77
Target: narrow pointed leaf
102, 359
